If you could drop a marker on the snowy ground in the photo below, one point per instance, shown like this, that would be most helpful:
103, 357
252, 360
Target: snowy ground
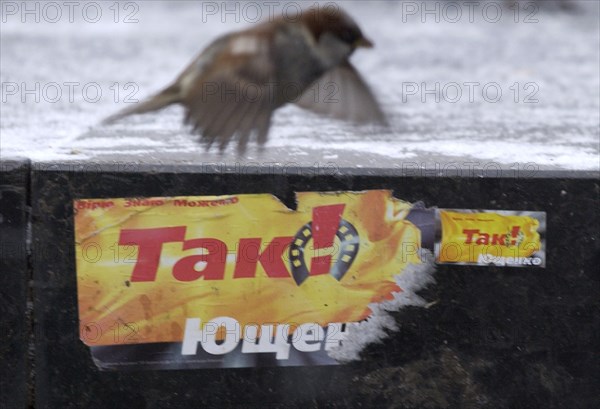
544, 61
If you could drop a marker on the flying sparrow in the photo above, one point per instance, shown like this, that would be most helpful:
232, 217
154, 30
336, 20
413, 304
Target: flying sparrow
232, 88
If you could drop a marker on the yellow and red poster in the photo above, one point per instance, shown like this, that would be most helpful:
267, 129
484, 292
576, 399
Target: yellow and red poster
242, 280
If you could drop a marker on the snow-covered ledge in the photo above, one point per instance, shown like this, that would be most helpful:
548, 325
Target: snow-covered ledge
439, 83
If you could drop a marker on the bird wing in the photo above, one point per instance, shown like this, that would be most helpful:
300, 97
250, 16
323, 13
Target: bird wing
229, 95
343, 94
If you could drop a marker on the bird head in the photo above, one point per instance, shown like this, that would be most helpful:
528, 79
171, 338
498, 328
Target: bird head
335, 32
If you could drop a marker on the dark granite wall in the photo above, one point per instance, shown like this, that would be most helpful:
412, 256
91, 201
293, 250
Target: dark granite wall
494, 338
14, 277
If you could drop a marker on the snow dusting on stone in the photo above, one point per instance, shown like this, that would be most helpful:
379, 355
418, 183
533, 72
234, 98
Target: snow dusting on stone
59, 80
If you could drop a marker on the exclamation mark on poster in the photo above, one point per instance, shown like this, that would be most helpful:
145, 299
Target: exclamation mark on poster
326, 221
514, 233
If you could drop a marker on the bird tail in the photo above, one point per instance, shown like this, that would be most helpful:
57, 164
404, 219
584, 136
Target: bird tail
168, 96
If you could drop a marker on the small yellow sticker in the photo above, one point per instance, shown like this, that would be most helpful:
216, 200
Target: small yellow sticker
490, 237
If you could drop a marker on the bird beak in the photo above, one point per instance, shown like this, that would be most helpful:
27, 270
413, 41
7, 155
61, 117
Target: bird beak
363, 43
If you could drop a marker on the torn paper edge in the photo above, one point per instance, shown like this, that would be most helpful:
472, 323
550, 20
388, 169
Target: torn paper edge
381, 323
